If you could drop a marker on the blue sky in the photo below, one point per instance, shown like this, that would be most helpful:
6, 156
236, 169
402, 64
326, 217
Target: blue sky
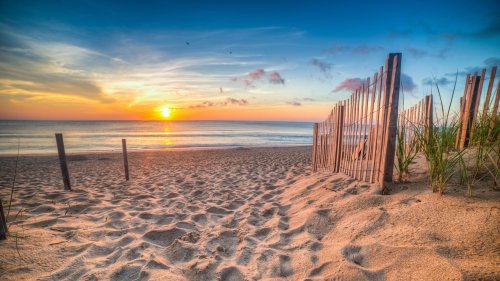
280, 60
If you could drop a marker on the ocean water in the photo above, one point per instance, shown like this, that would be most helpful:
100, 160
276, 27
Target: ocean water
37, 137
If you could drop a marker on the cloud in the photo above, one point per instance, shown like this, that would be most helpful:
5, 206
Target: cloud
351, 85
487, 64
28, 66
228, 101
443, 81
236, 101
490, 29
338, 48
257, 74
294, 103
275, 78
492, 62
420, 53
407, 83
308, 99
323, 66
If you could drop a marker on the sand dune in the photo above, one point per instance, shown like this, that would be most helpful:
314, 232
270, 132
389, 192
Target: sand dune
239, 214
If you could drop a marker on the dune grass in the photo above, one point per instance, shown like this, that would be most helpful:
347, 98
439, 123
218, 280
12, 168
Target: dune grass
437, 143
406, 150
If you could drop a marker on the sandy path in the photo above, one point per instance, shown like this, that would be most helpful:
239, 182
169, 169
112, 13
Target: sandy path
200, 215
241, 214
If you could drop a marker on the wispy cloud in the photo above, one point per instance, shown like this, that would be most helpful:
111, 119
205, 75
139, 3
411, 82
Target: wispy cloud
443, 81
338, 48
324, 67
226, 102
487, 64
294, 103
421, 53
275, 78
350, 85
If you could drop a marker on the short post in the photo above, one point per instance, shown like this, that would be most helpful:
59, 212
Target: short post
125, 159
3, 223
62, 161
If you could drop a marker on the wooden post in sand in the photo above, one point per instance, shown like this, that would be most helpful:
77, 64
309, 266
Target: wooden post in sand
3, 223
125, 159
389, 140
62, 161
428, 117
465, 136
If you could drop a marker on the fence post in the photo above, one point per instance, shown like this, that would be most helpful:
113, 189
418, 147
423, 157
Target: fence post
463, 102
3, 223
466, 136
428, 117
495, 110
488, 93
62, 161
477, 99
125, 159
315, 147
340, 135
389, 141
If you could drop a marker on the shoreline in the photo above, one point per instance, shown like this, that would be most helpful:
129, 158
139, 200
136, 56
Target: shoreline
118, 151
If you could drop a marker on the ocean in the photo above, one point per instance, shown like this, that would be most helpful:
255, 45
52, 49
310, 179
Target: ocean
37, 137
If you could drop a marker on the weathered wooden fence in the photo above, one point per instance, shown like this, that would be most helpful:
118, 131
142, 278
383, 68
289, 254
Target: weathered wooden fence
416, 120
358, 137
469, 105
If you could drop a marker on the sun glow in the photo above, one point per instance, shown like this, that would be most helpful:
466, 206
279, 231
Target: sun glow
165, 112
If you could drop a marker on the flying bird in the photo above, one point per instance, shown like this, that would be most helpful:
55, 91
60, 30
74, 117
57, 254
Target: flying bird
221, 90
187, 43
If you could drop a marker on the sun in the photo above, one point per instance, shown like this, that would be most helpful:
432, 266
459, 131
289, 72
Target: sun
165, 112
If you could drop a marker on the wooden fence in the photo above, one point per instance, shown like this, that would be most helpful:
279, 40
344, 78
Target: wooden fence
469, 105
358, 137
416, 120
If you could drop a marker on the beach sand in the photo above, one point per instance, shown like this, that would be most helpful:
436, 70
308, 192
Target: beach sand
239, 214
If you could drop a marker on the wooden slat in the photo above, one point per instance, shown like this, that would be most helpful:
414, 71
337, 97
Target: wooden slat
469, 112
315, 143
363, 135
495, 110
370, 132
429, 116
463, 104
376, 151
477, 100
340, 126
488, 93
357, 152
353, 131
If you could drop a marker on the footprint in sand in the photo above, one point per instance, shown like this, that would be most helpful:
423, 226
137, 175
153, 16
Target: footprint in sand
224, 244
164, 237
231, 274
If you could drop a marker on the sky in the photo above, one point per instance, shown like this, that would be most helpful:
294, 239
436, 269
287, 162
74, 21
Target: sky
229, 60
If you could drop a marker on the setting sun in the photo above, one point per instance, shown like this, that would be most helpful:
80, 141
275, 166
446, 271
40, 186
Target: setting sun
165, 112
